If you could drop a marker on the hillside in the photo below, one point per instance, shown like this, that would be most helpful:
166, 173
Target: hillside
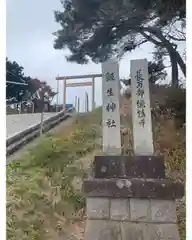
44, 198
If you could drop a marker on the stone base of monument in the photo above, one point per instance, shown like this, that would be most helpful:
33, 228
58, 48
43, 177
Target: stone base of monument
129, 198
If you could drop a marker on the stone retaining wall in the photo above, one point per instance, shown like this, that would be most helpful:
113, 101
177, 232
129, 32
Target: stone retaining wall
131, 219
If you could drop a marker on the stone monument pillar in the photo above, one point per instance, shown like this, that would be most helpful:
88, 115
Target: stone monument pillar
129, 197
111, 116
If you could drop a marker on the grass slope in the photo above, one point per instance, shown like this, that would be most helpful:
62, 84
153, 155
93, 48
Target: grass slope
41, 200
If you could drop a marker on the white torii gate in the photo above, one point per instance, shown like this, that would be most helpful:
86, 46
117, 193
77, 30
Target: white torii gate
91, 83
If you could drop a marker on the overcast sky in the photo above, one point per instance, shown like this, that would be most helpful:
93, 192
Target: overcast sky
30, 25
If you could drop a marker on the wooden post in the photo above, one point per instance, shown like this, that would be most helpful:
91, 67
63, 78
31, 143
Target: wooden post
141, 111
20, 106
42, 113
41, 122
86, 102
64, 94
111, 114
78, 105
93, 93
57, 96
33, 107
75, 103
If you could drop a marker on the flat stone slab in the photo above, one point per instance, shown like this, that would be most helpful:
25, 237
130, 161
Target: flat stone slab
18, 122
129, 166
114, 230
133, 188
131, 210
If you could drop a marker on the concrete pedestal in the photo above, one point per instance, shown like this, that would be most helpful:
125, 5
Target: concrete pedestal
125, 201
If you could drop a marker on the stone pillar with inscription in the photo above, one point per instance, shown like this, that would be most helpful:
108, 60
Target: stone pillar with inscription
129, 197
111, 115
141, 110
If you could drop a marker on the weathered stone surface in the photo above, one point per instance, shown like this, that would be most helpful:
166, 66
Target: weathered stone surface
133, 188
163, 211
102, 230
140, 210
160, 232
144, 166
98, 208
142, 134
107, 166
119, 209
146, 231
132, 231
129, 166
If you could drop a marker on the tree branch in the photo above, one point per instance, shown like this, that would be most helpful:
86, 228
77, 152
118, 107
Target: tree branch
149, 38
176, 39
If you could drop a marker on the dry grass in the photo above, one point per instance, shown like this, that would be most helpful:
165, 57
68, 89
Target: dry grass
169, 143
43, 202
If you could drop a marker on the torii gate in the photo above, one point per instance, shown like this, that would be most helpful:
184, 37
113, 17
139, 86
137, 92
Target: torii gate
91, 83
